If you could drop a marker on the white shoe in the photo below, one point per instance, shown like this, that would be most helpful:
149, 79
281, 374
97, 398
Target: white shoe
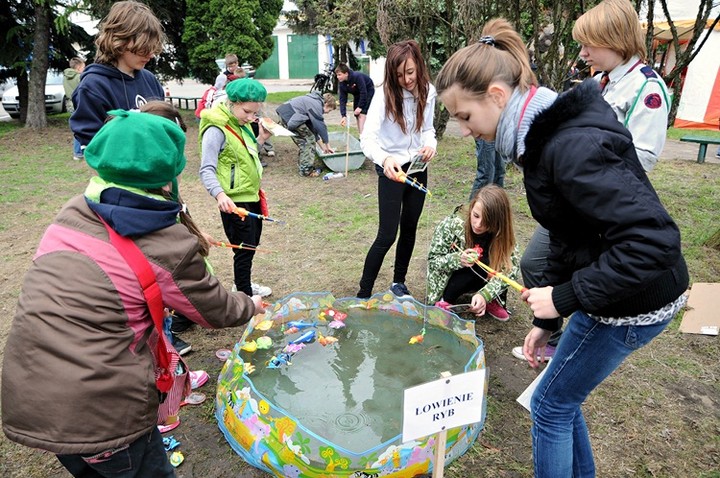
271, 154
261, 290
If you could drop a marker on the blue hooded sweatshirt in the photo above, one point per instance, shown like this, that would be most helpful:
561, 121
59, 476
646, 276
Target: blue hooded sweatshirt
103, 88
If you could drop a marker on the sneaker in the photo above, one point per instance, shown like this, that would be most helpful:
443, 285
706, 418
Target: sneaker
261, 290
78, 158
263, 163
549, 353
400, 290
180, 345
443, 304
198, 378
497, 311
270, 154
315, 173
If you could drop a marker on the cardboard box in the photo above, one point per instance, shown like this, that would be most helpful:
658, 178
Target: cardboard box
703, 310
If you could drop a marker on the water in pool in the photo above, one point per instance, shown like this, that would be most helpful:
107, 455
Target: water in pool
350, 392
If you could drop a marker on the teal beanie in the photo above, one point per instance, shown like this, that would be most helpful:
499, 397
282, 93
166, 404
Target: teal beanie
140, 150
246, 89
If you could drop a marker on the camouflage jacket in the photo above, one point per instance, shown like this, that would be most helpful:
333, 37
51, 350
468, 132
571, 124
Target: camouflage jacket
443, 260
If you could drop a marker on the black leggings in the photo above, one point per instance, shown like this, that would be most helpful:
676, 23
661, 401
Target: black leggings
400, 206
248, 233
465, 279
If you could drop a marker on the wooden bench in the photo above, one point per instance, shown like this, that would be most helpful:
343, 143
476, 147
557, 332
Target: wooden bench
184, 101
703, 141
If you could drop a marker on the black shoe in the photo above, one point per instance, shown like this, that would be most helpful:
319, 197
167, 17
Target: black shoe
362, 295
180, 323
263, 163
400, 291
180, 345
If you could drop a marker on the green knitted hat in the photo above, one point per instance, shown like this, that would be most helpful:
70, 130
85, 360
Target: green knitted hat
246, 89
136, 149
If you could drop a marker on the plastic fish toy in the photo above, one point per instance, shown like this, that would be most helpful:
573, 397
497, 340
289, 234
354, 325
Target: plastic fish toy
301, 324
332, 314
291, 330
336, 324
293, 348
416, 339
264, 342
264, 325
308, 336
279, 360
249, 346
327, 340
176, 458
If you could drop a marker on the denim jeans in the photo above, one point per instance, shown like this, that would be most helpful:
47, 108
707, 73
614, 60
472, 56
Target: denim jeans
588, 352
143, 458
490, 166
77, 150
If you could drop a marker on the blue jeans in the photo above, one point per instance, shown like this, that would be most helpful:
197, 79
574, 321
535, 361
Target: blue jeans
587, 353
77, 150
490, 166
143, 458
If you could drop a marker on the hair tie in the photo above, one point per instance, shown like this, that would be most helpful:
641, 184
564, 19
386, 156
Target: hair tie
488, 40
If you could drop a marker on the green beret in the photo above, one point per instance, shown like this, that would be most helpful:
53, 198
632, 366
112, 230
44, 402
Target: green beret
246, 89
140, 150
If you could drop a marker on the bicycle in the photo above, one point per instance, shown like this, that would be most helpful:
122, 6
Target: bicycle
324, 81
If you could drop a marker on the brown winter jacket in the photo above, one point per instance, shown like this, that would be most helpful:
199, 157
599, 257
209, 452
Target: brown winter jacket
78, 375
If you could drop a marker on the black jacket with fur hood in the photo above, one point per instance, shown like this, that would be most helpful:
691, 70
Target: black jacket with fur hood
614, 249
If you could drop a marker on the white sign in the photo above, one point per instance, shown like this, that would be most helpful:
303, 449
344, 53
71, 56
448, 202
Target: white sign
443, 404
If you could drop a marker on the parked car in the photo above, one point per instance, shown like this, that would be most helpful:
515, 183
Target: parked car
54, 96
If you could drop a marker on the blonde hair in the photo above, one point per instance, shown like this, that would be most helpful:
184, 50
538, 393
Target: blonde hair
612, 24
329, 101
230, 58
129, 26
497, 219
500, 55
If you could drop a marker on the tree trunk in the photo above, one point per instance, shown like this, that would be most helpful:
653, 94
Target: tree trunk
36, 117
442, 116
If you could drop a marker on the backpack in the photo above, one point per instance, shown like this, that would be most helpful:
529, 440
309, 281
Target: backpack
205, 101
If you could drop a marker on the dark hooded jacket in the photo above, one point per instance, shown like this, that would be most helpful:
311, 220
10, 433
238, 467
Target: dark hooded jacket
103, 88
362, 88
614, 249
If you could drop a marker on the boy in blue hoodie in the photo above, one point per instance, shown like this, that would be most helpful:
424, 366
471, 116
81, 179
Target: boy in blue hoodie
130, 36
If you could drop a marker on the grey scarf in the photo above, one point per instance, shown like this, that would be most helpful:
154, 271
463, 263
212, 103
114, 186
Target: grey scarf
509, 138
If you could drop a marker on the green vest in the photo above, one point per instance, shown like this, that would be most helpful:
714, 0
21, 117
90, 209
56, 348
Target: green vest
238, 170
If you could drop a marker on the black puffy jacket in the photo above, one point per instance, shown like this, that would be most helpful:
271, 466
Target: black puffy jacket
614, 249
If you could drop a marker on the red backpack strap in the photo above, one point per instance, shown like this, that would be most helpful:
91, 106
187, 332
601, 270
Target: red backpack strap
153, 296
